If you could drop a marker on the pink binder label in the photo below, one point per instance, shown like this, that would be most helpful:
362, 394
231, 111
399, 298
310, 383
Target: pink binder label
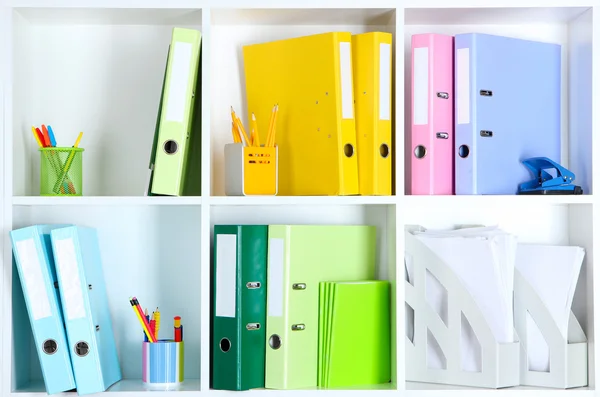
431, 146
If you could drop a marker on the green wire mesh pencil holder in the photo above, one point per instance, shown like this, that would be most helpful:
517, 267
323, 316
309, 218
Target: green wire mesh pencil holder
61, 171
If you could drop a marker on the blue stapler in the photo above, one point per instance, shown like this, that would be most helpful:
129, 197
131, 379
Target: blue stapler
544, 182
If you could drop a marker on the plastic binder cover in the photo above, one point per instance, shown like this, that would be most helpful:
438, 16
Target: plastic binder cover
508, 106
239, 307
299, 258
310, 78
85, 304
35, 264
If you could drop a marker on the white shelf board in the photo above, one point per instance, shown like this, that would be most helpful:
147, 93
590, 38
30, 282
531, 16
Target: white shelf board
415, 389
491, 201
506, 15
104, 200
133, 387
503, 4
302, 200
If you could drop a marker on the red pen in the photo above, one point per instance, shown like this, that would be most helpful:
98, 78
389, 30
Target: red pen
43, 138
178, 328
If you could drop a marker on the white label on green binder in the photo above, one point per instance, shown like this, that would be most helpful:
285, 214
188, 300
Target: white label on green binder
70, 282
226, 275
346, 80
35, 287
421, 86
180, 74
275, 279
463, 88
385, 80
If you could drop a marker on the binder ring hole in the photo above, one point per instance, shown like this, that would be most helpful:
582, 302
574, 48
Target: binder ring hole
275, 342
348, 150
384, 150
420, 151
225, 345
50, 346
463, 151
170, 147
82, 349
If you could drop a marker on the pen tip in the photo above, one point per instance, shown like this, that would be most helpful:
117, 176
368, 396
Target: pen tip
253, 116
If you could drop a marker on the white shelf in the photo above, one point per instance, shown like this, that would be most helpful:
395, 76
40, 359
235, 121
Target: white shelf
104, 200
302, 200
112, 93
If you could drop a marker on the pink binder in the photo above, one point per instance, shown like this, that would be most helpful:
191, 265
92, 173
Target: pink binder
431, 148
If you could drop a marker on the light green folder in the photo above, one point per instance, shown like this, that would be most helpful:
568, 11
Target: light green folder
355, 324
299, 258
176, 113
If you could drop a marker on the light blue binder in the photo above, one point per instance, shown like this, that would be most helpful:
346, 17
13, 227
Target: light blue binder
35, 264
85, 306
507, 109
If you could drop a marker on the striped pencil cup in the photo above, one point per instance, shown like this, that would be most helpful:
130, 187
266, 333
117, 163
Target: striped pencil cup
162, 363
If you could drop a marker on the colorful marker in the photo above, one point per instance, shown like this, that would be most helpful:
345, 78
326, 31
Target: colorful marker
178, 328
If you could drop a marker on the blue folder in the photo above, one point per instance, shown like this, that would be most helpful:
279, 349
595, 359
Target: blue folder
35, 264
85, 306
507, 109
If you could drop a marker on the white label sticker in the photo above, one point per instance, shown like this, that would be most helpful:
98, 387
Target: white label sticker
275, 280
70, 282
35, 287
421, 86
346, 77
385, 81
226, 275
180, 73
463, 88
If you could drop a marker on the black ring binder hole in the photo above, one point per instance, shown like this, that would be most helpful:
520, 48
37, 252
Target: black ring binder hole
463, 151
348, 150
170, 147
50, 346
275, 342
82, 349
420, 151
225, 345
384, 150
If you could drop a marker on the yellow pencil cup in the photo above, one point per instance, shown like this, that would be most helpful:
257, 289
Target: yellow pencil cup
61, 171
250, 171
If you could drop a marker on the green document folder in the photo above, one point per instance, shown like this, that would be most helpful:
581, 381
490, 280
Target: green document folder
354, 333
172, 144
239, 307
299, 258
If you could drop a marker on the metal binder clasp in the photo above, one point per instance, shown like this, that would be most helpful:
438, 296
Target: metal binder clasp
443, 95
441, 135
298, 327
253, 284
298, 286
252, 326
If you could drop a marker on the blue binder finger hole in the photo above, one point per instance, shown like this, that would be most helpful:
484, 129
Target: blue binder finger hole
170, 147
420, 151
225, 345
463, 151
275, 342
384, 150
82, 349
50, 346
348, 150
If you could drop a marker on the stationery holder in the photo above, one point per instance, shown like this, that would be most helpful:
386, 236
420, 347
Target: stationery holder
250, 170
568, 358
61, 171
499, 361
162, 363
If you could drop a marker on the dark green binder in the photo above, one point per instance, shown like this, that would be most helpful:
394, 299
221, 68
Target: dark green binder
239, 293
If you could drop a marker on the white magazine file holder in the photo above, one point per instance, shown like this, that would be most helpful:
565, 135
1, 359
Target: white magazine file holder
568, 358
499, 361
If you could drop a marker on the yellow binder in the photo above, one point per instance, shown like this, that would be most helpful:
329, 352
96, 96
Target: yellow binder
372, 61
310, 78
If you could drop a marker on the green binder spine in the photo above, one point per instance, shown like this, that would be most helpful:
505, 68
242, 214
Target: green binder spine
238, 338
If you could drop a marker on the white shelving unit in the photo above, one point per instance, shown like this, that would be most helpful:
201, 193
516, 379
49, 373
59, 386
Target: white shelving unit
97, 66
